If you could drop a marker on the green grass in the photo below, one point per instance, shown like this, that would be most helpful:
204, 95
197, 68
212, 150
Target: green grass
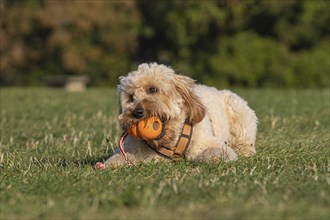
50, 139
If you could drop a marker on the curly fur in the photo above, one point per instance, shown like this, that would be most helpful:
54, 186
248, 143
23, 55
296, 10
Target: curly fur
224, 125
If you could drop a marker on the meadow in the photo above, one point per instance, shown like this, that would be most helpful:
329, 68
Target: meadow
50, 140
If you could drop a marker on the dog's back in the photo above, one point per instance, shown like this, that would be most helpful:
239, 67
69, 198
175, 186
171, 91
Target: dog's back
230, 117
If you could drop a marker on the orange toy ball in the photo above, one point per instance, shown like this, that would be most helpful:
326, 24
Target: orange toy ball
132, 131
147, 129
150, 128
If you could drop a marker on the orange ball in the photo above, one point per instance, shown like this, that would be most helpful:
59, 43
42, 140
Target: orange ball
132, 131
147, 129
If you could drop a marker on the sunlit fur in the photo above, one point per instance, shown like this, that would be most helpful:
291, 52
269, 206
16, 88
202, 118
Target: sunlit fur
222, 121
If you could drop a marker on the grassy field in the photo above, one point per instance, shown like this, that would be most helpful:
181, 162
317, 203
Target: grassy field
50, 139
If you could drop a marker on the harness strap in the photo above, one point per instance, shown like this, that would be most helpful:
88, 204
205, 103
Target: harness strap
181, 146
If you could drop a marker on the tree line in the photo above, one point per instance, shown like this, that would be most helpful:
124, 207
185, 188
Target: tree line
245, 43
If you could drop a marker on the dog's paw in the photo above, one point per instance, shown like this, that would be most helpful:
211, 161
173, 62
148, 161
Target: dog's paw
116, 160
215, 154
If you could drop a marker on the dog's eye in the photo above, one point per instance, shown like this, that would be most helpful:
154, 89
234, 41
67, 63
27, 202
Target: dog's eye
131, 98
152, 90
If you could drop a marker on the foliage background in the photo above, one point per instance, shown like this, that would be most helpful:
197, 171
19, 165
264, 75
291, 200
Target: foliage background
250, 43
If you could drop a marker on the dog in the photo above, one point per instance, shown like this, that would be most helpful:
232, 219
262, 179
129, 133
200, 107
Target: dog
220, 124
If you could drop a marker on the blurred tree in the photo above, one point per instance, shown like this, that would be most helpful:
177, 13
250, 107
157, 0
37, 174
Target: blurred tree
253, 43
312, 67
247, 59
96, 38
181, 31
297, 24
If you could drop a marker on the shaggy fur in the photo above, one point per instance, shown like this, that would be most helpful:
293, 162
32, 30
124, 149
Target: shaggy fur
223, 123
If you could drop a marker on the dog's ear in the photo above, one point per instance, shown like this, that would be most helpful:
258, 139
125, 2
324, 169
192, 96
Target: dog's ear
184, 86
119, 100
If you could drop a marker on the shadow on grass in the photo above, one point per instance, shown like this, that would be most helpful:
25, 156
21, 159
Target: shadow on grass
88, 161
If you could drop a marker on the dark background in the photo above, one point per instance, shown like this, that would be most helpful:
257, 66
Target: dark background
237, 43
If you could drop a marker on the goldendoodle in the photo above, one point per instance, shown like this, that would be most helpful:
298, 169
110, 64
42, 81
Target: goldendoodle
200, 123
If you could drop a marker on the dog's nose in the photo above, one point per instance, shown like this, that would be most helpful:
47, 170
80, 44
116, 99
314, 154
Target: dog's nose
138, 113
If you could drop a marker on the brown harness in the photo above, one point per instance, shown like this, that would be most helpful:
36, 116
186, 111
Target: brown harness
181, 146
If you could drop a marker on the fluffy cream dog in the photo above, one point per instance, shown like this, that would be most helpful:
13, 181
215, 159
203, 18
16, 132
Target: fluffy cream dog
223, 124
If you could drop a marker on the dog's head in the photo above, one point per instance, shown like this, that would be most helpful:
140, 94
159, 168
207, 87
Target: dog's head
155, 90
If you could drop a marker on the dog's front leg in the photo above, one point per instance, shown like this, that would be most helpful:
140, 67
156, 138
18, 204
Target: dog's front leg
136, 151
116, 160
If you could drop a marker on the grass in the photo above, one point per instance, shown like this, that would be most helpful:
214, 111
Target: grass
50, 139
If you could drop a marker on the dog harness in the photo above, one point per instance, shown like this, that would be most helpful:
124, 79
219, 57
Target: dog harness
175, 153
181, 146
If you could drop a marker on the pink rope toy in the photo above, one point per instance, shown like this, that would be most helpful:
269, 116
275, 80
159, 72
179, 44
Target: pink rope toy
100, 165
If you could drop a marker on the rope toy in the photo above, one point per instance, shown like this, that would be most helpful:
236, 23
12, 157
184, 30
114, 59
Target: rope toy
100, 165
